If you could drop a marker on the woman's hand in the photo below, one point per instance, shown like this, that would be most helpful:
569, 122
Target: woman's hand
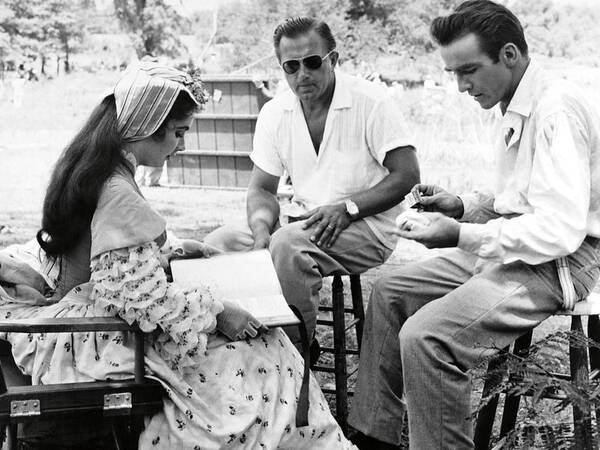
237, 323
191, 248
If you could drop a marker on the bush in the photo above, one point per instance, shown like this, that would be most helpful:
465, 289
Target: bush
536, 376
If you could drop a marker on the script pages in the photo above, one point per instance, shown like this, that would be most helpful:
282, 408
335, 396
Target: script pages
245, 278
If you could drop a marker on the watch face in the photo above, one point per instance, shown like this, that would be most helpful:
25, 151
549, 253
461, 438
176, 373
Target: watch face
351, 208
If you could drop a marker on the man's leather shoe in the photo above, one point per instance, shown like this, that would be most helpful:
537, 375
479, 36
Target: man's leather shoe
315, 352
364, 442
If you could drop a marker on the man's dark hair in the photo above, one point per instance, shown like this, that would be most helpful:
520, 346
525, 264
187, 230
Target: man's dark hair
296, 26
492, 23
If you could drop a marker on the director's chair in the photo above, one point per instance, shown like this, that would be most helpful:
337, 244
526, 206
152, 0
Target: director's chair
119, 404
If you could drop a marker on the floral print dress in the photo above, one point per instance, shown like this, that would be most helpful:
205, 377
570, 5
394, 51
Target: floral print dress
220, 394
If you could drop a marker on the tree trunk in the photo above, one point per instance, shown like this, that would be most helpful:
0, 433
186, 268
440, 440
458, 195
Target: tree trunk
67, 53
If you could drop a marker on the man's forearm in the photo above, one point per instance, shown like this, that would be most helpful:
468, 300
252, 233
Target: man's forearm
262, 209
384, 195
403, 174
381, 197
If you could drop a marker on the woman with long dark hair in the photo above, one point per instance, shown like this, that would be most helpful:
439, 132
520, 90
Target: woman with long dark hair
102, 253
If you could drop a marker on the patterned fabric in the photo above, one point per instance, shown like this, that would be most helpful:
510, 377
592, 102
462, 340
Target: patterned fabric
144, 96
240, 395
131, 283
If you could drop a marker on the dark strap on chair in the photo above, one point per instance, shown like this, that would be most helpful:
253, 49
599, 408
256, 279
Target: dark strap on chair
303, 401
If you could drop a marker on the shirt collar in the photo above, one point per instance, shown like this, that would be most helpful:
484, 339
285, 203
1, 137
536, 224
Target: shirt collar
522, 100
341, 95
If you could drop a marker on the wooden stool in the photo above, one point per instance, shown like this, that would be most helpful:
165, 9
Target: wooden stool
339, 350
580, 373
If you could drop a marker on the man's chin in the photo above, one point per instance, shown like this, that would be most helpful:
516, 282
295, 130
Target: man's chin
306, 96
485, 105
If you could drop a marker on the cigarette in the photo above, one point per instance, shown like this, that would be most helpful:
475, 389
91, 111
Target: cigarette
412, 199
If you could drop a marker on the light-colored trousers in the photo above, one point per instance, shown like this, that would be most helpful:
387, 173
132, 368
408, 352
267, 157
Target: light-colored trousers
301, 264
429, 322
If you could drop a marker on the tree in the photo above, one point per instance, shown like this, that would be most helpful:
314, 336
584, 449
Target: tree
373, 10
5, 15
153, 26
379, 32
67, 27
247, 26
38, 27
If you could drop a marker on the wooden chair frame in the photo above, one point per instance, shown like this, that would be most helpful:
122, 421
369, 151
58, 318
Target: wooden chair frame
580, 361
130, 399
339, 350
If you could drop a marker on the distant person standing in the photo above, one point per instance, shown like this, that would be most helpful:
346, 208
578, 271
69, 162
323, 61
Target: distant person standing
18, 87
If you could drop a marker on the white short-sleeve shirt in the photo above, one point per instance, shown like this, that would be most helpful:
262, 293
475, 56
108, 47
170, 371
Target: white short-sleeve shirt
363, 124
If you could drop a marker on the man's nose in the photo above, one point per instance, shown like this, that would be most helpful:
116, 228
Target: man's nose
463, 83
302, 71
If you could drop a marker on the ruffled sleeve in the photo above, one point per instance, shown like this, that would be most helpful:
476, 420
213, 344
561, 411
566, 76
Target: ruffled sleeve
131, 283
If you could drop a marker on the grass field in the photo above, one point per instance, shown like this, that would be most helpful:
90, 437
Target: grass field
451, 136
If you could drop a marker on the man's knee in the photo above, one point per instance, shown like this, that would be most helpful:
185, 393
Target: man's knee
287, 240
231, 238
388, 301
412, 335
420, 339
382, 297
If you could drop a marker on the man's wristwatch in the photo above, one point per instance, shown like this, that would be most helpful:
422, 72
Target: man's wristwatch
351, 209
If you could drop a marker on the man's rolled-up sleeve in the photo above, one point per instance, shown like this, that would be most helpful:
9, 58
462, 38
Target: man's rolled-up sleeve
265, 147
387, 129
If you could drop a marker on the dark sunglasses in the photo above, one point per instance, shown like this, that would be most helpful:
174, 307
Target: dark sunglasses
312, 62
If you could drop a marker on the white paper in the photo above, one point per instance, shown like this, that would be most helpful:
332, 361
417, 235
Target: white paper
246, 278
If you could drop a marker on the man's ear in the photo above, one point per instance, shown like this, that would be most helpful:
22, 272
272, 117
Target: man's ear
510, 54
334, 59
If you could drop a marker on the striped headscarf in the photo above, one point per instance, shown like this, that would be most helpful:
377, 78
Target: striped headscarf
144, 96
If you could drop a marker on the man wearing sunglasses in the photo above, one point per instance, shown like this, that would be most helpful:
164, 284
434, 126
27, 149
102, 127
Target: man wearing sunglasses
342, 142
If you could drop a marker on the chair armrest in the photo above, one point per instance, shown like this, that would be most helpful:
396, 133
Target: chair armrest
65, 325
80, 324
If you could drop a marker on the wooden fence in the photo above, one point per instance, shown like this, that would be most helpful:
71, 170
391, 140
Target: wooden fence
219, 142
